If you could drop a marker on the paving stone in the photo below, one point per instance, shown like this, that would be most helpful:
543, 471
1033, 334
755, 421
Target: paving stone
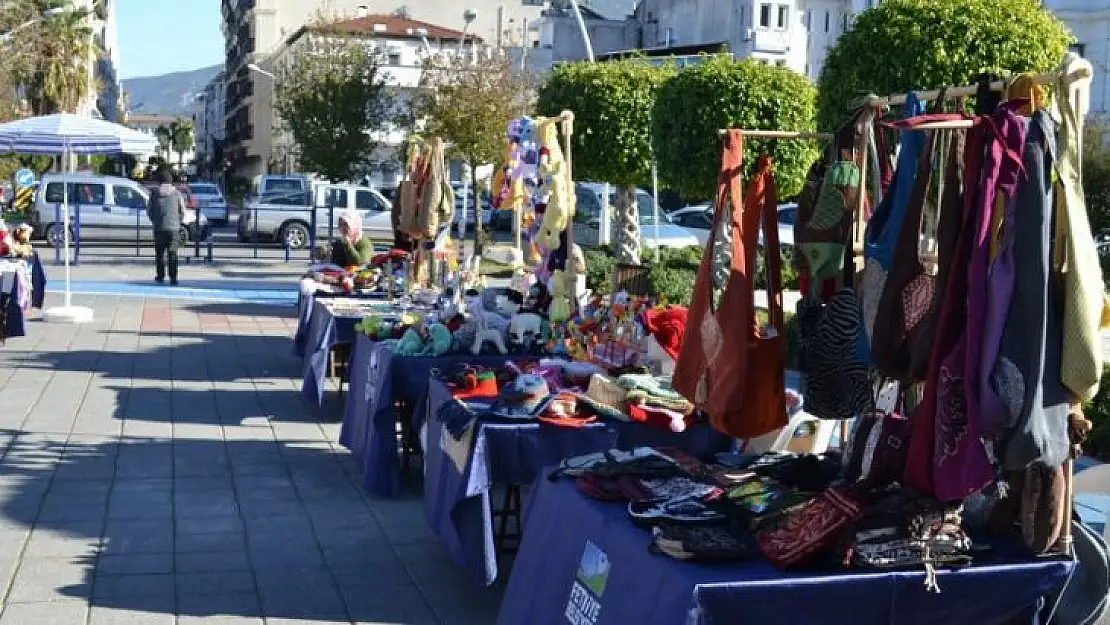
401, 604
213, 561
215, 582
122, 586
191, 543
60, 613
133, 610
224, 604
49, 579
135, 564
65, 540
228, 523
138, 536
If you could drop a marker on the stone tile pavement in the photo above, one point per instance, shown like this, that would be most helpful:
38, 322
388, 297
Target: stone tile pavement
158, 466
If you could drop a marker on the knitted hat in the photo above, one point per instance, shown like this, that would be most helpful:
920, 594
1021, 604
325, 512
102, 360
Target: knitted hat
667, 326
525, 398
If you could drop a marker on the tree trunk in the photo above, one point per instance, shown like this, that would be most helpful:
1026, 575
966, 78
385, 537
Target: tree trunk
479, 234
626, 235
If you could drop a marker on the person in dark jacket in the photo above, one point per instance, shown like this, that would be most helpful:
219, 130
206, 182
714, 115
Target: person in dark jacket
166, 209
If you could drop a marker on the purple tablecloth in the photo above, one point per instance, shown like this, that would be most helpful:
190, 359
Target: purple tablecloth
582, 561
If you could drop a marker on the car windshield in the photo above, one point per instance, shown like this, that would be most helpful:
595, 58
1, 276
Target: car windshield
283, 184
647, 211
205, 189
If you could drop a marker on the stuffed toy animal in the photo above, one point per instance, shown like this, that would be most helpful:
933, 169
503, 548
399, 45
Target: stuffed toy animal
526, 329
6, 241
483, 333
21, 247
559, 311
553, 169
439, 340
410, 344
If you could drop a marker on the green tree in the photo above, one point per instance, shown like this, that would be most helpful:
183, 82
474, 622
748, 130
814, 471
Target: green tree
181, 138
468, 103
165, 140
722, 93
901, 45
54, 55
612, 140
333, 98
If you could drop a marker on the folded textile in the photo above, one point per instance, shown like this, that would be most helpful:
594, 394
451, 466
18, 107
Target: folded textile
456, 417
458, 449
590, 405
649, 384
641, 397
658, 417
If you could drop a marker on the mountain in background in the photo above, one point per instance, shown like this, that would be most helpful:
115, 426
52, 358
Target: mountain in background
168, 94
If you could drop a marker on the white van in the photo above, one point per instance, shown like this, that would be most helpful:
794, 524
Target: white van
109, 207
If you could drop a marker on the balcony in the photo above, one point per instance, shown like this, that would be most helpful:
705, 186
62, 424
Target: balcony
775, 41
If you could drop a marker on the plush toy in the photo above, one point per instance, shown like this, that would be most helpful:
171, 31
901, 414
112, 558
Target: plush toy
370, 325
483, 333
21, 247
6, 241
559, 311
509, 305
410, 344
439, 340
553, 169
526, 329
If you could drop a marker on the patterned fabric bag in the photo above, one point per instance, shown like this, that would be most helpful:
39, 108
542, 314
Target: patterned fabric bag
905, 319
815, 527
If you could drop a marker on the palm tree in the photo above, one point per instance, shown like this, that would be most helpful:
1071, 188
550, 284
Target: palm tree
181, 138
165, 140
60, 51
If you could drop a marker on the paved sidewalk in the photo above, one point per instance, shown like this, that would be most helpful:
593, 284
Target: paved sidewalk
158, 466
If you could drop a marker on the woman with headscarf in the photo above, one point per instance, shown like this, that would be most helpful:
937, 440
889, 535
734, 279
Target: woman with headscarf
351, 248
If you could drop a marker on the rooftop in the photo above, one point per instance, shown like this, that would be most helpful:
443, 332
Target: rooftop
393, 27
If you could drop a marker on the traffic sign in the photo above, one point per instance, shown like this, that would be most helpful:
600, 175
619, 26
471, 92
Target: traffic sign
25, 177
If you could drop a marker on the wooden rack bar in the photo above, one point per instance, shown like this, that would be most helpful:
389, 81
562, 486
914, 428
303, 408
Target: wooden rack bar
999, 85
779, 134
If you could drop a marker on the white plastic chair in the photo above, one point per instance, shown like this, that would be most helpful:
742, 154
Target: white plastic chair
1094, 481
784, 440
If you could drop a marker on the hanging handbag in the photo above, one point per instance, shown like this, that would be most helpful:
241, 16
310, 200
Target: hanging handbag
905, 319
432, 195
885, 225
712, 366
408, 192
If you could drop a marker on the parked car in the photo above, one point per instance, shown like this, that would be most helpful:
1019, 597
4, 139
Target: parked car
587, 219
467, 212
109, 208
698, 219
286, 217
267, 184
211, 202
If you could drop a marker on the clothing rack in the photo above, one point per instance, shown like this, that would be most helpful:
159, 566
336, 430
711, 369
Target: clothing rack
967, 90
780, 134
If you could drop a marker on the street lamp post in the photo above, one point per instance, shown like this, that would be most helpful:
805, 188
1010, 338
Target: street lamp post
469, 16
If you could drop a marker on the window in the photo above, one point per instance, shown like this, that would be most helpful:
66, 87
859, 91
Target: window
809, 17
128, 197
701, 220
780, 63
365, 200
394, 59
337, 197
784, 15
286, 198
826, 21
587, 205
79, 193
765, 15
1079, 48
844, 24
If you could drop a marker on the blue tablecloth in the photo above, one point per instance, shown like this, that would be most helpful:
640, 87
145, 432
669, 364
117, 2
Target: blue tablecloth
457, 504
582, 561
306, 306
378, 379
324, 331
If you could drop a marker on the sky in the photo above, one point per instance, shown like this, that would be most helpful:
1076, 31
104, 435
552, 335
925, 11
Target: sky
163, 36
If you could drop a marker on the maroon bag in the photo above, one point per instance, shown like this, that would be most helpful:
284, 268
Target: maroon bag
816, 526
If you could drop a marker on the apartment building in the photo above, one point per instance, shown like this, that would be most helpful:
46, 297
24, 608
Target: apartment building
105, 96
1089, 21
254, 29
208, 126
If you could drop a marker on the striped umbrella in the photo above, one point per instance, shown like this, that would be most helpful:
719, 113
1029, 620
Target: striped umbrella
65, 132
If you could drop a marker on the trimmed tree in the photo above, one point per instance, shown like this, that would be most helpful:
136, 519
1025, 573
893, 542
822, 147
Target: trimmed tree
901, 45
722, 93
468, 102
332, 98
612, 105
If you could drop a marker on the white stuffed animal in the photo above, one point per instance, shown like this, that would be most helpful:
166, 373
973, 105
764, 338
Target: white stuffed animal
483, 333
523, 324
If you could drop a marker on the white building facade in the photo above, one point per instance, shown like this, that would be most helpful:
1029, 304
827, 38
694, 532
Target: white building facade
208, 126
105, 97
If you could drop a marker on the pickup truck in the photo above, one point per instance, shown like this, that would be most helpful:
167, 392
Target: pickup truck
286, 217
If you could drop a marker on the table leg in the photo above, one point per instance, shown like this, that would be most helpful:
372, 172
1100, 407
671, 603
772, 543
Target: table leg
509, 511
410, 438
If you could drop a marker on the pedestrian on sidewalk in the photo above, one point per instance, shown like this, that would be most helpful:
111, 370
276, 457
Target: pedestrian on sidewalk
166, 210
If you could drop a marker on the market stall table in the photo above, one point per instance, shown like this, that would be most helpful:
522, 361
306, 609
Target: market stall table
326, 329
583, 562
457, 503
14, 275
379, 380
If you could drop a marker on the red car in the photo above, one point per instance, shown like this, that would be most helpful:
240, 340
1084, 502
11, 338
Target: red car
191, 204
